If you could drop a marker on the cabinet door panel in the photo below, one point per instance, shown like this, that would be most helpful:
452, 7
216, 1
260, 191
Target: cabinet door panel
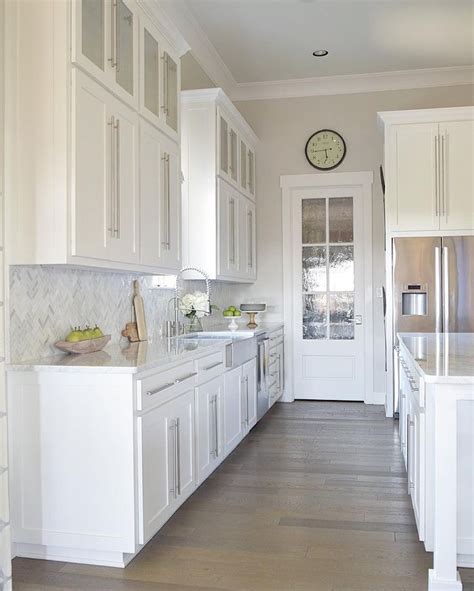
233, 419
90, 35
412, 200
155, 470
228, 231
223, 151
171, 90
123, 247
247, 239
92, 132
150, 53
457, 151
249, 373
171, 206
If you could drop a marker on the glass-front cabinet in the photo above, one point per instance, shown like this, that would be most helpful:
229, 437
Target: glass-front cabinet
105, 44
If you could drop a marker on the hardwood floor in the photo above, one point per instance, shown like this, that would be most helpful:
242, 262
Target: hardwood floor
313, 500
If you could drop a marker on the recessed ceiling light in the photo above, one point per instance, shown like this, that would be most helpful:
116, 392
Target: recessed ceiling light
320, 52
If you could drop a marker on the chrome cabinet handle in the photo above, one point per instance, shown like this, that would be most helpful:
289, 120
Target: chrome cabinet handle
247, 397
232, 231
214, 365
117, 180
250, 225
166, 203
113, 180
443, 174
178, 457
160, 389
436, 145
164, 106
172, 428
186, 377
216, 430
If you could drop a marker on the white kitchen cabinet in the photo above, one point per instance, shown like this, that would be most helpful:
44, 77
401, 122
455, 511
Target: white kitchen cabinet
105, 44
428, 170
105, 174
234, 422
218, 162
210, 427
249, 394
160, 234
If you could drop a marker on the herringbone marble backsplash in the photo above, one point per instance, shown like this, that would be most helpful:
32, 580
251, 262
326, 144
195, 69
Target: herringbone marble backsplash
46, 301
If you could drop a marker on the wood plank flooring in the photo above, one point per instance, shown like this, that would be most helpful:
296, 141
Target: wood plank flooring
313, 500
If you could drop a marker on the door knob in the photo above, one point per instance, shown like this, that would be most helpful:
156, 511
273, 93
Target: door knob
358, 319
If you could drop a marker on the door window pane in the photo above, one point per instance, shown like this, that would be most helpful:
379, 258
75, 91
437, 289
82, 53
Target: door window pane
315, 316
314, 221
251, 164
341, 316
151, 75
124, 47
341, 268
171, 92
314, 268
224, 149
233, 154
243, 165
93, 31
341, 219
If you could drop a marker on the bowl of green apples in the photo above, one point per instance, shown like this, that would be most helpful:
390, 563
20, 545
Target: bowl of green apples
83, 340
232, 313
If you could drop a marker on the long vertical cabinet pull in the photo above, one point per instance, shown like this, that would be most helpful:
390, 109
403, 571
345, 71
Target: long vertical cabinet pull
117, 179
232, 230
113, 180
247, 398
172, 457
216, 427
178, 457
166, 202
443, 168
437, 204
113, 35
250, 255
408, 451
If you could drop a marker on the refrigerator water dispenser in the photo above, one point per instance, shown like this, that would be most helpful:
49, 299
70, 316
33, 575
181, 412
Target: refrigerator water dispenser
414, 300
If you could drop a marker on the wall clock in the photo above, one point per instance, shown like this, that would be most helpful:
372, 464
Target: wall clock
325, 149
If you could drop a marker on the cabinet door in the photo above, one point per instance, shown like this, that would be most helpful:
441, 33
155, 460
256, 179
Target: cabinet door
249, 392
233, 419
418, 468
156, 470
91, 193
412, 188
91, 20
247, 242
280, 368
457, 175
209, 420
123, 246
182, 409
251, 172
171, 89
234, 155
171, 206
125, 37
223, 144
228, 231
150, 66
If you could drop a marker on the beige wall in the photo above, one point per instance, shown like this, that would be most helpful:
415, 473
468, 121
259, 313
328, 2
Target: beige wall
192, 75
283, 126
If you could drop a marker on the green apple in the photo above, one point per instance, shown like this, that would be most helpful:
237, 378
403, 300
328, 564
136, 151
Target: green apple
228, 313
232, 308
237, 313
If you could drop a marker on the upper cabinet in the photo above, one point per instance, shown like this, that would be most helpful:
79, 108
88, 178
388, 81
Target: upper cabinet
428, 170
104, 142
218, 161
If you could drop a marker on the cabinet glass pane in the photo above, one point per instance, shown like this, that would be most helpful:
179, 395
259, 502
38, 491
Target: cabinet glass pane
341, 219
233, 154
224, 146
151, 73
314, 268
315, 316
251, 163
341, 316
124, 47
171, 92
341, 268
314, 221
93, 31
243, 165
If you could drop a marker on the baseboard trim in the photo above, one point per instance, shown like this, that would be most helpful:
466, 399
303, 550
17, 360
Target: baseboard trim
74, 555
375, 398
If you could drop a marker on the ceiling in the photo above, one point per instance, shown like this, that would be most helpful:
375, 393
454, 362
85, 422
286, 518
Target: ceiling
269, 40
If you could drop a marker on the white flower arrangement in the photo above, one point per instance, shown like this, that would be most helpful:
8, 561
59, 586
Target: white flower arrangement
194, 305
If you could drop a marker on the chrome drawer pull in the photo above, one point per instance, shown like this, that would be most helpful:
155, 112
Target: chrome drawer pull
160, 389
184, 378
209, 367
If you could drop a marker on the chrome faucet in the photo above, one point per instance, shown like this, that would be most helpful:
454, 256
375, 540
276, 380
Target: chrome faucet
177, 297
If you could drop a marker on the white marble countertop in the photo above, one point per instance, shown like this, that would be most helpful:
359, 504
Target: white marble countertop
441, 357
132, 358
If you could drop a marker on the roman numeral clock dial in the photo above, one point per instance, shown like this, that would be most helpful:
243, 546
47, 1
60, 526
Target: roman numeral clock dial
325, 149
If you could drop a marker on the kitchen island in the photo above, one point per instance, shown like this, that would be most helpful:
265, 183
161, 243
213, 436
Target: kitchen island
437, 438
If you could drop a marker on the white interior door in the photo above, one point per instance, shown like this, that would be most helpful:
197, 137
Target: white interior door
328, 298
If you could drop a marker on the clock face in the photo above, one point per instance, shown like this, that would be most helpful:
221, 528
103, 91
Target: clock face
325, 149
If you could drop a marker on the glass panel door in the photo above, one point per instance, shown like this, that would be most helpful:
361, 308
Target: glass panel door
151, 64
171, 92
223, 145
243, 165
328, 268
125, 47
233, 155
93, 31
251, 175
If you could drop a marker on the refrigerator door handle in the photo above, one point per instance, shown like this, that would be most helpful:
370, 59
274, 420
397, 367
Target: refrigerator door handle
445, 289
438, 293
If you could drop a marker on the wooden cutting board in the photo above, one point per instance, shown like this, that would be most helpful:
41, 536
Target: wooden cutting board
139, 312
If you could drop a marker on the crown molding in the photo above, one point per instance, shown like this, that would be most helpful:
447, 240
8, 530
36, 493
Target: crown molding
165, 25
352, 84
203, 50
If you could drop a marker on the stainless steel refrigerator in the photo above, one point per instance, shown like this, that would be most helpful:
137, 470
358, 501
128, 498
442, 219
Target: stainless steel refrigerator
433, 288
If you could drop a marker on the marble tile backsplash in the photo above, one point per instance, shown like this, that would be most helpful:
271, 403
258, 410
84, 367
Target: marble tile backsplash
46, 301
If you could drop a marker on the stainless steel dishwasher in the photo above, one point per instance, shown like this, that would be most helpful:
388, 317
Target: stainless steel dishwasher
263, 401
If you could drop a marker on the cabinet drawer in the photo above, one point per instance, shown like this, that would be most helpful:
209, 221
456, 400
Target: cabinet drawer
209, 367
164, 385
273, 389
414, 383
